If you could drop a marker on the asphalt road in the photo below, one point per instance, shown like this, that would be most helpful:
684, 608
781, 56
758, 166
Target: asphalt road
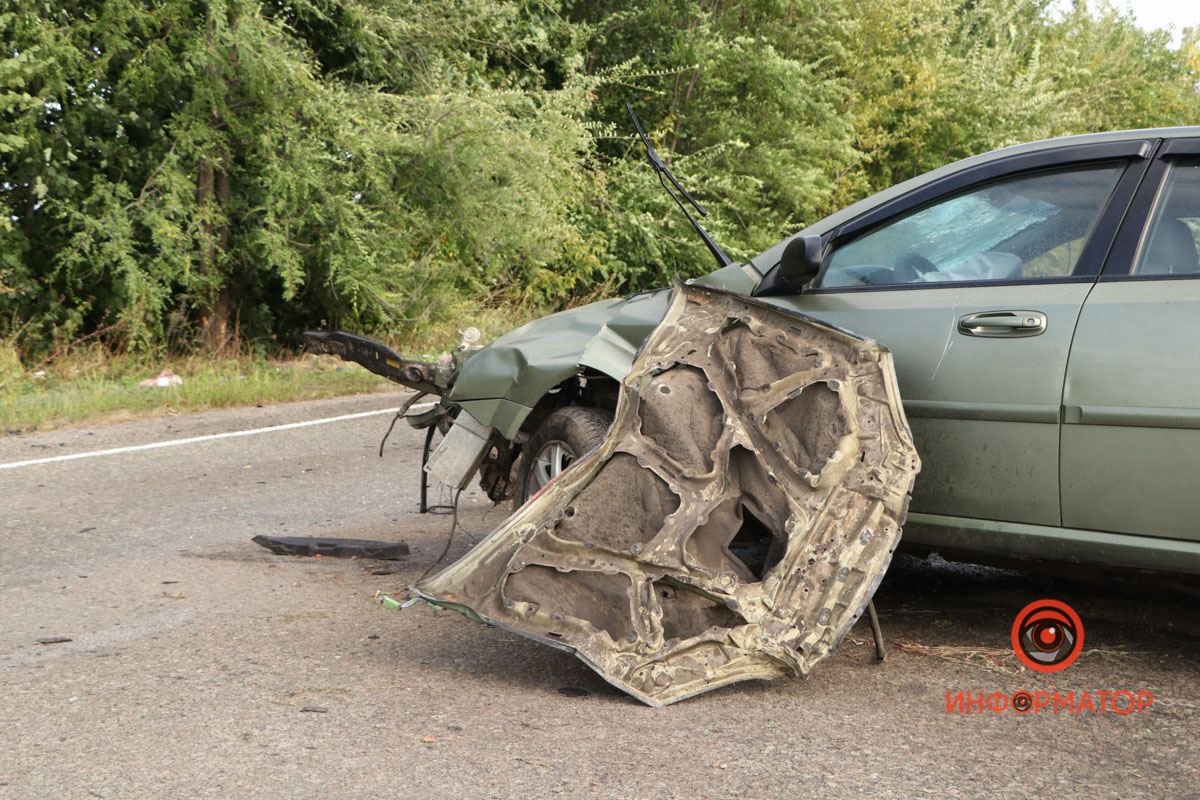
196, 657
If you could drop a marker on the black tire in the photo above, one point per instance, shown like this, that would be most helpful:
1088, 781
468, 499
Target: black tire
560, 439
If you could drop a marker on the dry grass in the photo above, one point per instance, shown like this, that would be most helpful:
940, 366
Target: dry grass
1002, 661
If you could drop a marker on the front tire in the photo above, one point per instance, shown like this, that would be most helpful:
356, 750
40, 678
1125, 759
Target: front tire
560, 440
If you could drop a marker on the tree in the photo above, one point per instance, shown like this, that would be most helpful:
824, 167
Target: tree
178, 172
186, 168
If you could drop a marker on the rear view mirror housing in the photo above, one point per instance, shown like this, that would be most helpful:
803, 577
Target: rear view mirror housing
799, 264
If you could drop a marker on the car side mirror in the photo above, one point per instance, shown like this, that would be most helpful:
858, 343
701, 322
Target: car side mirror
799, 264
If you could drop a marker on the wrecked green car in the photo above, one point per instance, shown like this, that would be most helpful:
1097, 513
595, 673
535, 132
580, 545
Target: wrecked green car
1040, 305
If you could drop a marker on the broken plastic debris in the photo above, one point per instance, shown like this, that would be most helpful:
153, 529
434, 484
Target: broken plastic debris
733, 524
391, 604
396, 605
165, 378
470, 338
439, 604
338, 548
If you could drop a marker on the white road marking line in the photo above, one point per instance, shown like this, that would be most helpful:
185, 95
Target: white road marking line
175, 443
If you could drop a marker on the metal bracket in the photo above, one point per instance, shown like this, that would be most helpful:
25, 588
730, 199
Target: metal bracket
876, 633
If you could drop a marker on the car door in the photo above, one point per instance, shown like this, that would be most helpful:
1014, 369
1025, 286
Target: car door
1131, 403
975, 285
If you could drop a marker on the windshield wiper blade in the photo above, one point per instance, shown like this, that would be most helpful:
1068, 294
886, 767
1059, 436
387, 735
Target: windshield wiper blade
665, 175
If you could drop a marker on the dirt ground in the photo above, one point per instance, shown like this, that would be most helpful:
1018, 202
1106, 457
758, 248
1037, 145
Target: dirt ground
201, 665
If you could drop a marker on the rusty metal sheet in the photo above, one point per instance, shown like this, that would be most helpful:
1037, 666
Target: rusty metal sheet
734, 523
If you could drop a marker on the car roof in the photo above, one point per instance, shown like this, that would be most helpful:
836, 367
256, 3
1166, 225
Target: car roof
770, 257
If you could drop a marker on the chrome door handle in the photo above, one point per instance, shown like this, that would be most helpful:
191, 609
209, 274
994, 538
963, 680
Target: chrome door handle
1003, 323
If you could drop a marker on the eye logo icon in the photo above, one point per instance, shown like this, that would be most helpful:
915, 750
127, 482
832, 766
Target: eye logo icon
1047, 636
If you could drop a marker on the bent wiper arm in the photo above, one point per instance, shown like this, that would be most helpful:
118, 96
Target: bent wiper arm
665, 175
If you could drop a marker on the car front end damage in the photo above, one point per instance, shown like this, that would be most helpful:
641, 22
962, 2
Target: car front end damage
733, 524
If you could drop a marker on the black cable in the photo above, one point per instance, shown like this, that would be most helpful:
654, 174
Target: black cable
400, 413
449, 539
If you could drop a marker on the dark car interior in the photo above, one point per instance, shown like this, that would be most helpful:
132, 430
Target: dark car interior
1170, 248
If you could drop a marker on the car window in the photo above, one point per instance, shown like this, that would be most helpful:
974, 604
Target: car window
1032, 226
1169, 246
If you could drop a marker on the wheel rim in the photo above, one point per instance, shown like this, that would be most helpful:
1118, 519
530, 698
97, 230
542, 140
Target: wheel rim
548, 464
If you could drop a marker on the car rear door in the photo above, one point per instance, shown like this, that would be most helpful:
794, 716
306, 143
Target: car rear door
1131, 402
975, 286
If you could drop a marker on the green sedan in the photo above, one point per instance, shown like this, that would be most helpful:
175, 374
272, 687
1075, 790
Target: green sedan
1042, 305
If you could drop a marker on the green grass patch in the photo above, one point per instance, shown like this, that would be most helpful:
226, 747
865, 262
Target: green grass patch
93, 387
86, 382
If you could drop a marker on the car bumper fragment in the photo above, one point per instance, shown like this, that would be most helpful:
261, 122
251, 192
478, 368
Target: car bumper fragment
734, 523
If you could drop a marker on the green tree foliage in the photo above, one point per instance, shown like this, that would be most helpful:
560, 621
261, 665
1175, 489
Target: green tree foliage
180, 172
176, 169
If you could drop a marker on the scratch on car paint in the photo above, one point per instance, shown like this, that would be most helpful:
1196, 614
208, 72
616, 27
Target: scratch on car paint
949, 338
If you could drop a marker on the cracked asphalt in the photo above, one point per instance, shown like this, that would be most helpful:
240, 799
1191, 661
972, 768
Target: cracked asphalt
201, 665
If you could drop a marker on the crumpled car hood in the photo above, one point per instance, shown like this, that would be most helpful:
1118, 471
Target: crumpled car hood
732, 525
518, 368
500, 383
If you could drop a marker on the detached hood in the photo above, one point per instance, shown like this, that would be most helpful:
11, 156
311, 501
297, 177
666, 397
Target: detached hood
735, 520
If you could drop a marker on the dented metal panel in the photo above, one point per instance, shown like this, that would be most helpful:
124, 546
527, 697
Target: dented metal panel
733, 524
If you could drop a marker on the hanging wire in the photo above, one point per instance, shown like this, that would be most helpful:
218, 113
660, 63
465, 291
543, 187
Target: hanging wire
449, 539
400, 413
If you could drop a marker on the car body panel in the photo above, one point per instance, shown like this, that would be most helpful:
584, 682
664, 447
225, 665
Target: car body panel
1131, 403
1034, 441
1014, 541
990, 436
521, 366
1131, 411
502, 383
